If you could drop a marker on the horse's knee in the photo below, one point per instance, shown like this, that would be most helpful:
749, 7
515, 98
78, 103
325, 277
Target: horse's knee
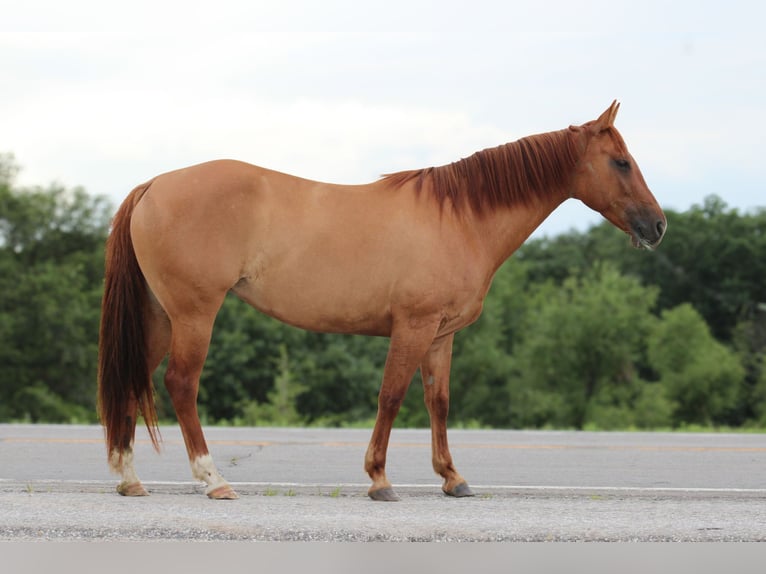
438, 405
390, 401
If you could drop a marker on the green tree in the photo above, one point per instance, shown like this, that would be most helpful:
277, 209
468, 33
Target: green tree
701, 376
714, 260
758, 401
279, 408
582, 348
749, 342
51, 265
341, 375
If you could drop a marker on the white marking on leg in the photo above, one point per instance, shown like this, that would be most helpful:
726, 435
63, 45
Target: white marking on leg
125, 467
203, 468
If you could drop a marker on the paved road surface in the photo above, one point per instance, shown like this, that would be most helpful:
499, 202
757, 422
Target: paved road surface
308, 484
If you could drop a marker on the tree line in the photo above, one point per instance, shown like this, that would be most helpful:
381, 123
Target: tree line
578, 331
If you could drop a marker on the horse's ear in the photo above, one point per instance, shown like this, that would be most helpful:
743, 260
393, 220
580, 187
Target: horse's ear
606, 120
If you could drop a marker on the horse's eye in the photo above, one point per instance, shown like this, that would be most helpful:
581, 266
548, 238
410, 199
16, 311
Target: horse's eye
623, 164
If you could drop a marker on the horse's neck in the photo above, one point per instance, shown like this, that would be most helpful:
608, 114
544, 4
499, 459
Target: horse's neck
506, 229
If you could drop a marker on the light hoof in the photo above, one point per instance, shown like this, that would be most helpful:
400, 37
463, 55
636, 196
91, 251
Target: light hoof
223, 492
385, 494
459, 491
131, 489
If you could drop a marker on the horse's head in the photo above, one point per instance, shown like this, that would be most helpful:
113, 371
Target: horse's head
608, 180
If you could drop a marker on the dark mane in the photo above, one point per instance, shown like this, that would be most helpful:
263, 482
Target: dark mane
512, 173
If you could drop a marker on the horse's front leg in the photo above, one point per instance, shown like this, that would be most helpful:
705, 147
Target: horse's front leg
409, 342
435, 370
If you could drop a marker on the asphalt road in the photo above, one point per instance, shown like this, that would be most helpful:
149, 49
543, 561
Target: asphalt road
308, 484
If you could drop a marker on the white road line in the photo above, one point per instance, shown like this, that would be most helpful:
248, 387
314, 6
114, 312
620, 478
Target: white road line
109, 484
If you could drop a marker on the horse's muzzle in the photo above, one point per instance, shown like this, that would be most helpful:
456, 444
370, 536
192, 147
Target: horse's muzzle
647, 231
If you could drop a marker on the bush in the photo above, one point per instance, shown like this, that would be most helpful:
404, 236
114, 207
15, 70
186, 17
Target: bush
701, 376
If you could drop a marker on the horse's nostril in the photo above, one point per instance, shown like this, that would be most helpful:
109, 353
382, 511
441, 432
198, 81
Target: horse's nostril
660, 228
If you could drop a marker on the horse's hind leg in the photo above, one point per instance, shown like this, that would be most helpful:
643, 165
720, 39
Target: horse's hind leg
157, 343
122, 462
189, 346
435, 370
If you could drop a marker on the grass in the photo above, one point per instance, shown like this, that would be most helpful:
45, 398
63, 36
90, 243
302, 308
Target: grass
275, 492
335, 493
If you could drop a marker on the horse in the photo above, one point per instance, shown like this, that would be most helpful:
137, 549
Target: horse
410, 257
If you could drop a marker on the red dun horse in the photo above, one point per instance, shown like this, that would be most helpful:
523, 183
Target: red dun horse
410, 257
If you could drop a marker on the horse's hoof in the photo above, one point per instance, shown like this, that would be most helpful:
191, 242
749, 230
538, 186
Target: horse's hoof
459, 491
131, 489
386, 494
224, 492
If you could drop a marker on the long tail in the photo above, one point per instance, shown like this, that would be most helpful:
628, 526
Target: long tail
123, 372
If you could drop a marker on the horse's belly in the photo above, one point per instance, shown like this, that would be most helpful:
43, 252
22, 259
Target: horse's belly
320, 305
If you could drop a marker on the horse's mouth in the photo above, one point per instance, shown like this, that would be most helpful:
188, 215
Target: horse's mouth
647, 237
642, 243
639, 241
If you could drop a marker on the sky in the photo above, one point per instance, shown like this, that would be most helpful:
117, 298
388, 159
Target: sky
105, 95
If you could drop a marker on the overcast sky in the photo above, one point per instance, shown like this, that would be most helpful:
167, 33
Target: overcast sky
105, 95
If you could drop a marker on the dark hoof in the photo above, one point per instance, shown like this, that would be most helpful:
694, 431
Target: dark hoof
384, 495
460, 491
